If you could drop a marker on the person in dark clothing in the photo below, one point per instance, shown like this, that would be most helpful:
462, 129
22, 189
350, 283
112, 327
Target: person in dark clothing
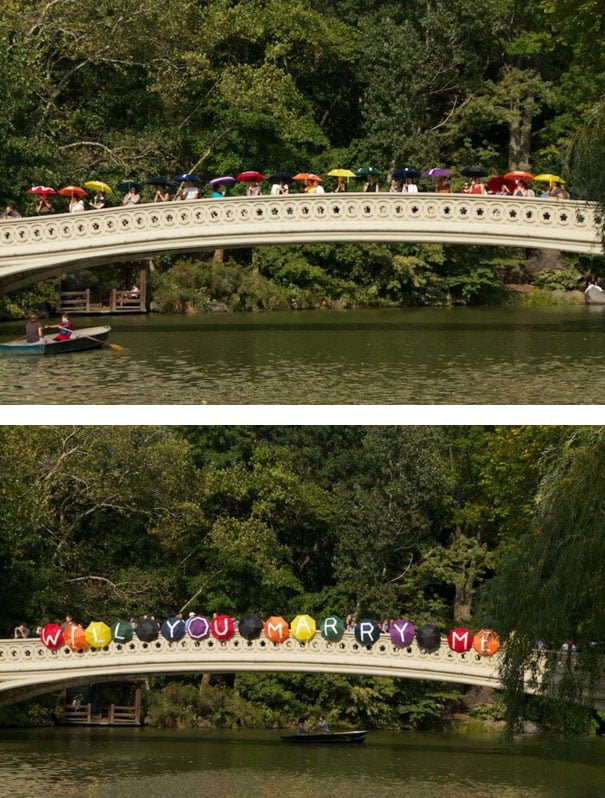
33, 331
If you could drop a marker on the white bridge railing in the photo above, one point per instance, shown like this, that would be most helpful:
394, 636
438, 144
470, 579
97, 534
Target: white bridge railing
33, 248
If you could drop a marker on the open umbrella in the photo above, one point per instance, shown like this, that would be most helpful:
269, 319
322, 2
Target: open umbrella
428, 637
486, 642
280, 177
122, 632
225, 180
147, 630
98, 185
52, 635
222, 627
185, 178
303, 177
494, 184
402, 632
473, 171
518, 174
126, 185
250, 177
98, 634
277, 629
250, 626
332, 628
198, 627
367, 632
173, 628
303, 627
43, 191
75, 637
405, 172
460, 639
158, 180
436, 171
72, 191
549, 178
341, 173
365, 171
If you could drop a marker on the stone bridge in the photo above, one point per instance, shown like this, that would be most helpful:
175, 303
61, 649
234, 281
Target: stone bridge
35, 248
28, 668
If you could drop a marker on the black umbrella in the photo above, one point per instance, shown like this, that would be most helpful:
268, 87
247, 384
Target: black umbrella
407, 171
428, 637
147, 630
280, 177
250, 627
367, 632
160, 181
474, 171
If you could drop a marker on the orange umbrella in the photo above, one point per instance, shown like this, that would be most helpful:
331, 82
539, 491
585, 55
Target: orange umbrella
486, 642
302, 176
277, 629
519, 175
75, 637
71, 191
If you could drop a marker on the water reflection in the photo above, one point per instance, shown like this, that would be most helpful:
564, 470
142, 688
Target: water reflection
430, 356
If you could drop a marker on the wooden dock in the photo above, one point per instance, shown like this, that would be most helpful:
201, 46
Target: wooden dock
81, 302
82, 715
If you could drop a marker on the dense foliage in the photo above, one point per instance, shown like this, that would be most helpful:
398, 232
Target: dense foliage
439, 524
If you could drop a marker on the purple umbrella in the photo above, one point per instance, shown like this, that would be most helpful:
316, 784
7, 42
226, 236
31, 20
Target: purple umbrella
226, 180
437, 172
402, 632
197, 627
367, 632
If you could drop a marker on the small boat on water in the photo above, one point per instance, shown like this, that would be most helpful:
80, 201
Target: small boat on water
325, 739
594, 295
86, 338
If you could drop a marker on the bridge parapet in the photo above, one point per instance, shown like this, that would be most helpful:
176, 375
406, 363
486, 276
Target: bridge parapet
31, 248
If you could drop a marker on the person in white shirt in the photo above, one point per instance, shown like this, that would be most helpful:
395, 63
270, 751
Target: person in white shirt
279, 188
76, 205
410, 187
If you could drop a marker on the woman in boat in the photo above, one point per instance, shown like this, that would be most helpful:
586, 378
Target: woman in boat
33, 331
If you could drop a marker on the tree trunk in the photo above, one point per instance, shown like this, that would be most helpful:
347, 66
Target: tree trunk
218, 256
519, 139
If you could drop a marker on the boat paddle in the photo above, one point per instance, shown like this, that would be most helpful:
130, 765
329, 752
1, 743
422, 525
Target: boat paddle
115, 347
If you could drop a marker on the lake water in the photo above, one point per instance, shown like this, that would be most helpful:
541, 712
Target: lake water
150, 763
497, 355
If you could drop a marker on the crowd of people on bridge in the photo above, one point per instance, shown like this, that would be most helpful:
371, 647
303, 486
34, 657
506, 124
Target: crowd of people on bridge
407, 180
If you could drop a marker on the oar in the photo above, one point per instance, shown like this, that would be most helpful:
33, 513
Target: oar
116, 347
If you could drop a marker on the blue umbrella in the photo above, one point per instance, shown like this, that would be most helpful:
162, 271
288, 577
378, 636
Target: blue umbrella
173, 628
405, 172
187, 178
367, 632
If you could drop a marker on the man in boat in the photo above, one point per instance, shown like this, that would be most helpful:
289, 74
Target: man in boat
33, 331
301, 728
322, 725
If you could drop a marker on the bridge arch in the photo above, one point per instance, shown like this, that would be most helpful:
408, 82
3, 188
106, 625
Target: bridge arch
35, 248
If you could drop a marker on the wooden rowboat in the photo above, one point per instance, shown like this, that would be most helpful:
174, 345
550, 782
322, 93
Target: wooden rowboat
326, 739
86, 338
594, 295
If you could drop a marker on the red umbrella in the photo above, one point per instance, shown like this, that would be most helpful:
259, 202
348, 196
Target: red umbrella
494, 184
460, 639
42, 190
222, 627
52, 635
518, 174
250, 177
71, 191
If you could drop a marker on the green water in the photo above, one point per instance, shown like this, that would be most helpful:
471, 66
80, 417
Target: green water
148, 763
420, 356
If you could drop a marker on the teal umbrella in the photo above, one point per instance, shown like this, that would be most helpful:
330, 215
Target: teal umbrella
126, 185
122, 632
365, 171
332, 628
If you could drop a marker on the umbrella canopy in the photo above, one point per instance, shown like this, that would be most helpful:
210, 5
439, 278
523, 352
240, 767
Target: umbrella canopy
122, 632
173, 628
98, 185
367, 632
402, 632
405, 172
250, 177
494, 184
147, 630
72, 191
198, 627
436, 171
280, 177
222, 627
52, 636
486, 642
98, 634
365, 171
75, 637
42, 190
341, 173
277, 629
250, 626
158, 180
126, 185
473, 171
186, 178
332, 628
460, 639
302, 176
225, 180
428, 637
519, 174
303, 627
549, 178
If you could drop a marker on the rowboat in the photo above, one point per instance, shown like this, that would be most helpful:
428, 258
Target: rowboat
326, 739
594, 295
86, 338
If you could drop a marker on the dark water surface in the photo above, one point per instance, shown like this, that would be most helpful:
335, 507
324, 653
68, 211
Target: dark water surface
418, 356
146, 763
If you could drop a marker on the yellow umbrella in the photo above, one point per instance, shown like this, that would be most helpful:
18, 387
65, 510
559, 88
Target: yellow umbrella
97, 185
303, 627
549, 178
98, 634
341, 173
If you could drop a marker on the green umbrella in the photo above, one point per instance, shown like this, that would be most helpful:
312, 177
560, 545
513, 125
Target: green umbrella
122, 631
126, 185
332, 628
368, 170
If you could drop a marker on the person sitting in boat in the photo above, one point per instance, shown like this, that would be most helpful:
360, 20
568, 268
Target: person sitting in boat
65, 327
322, 725
33, 331
301, 728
